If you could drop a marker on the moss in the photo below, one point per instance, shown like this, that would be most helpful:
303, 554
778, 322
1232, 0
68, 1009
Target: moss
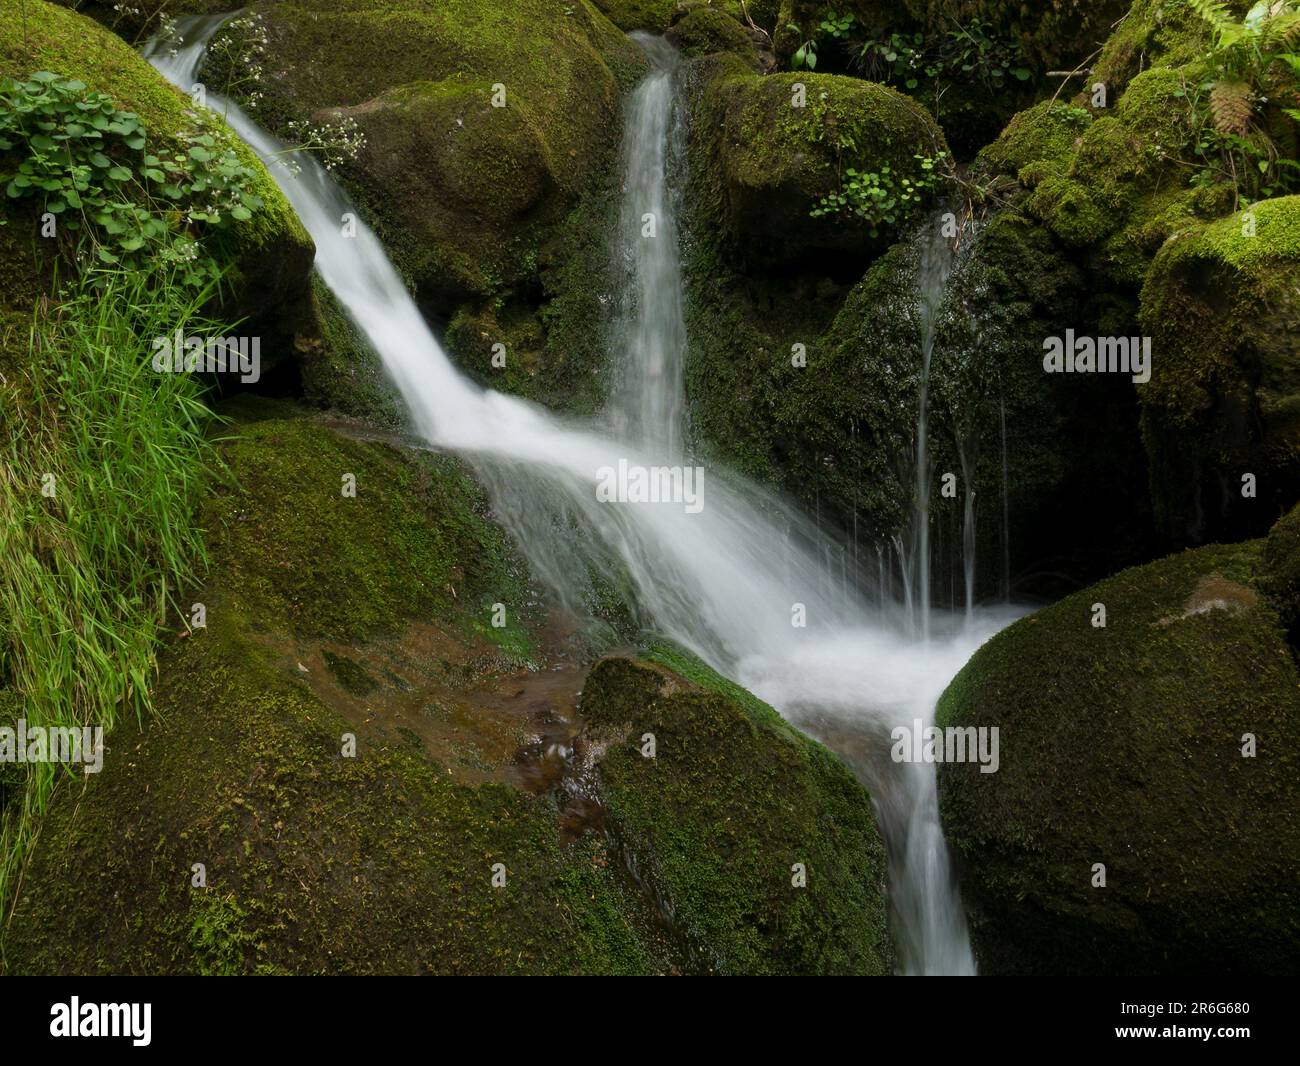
218, 934
314, 863
350, 673
775, 160
1112, 181
1280, 572
707, 29
713, 824
562, 78
1122, 745
628, 15
1165, 33
1070, 211
1224, 399
1119, 189
302, 556
658, 15
339, 369
1046, 135
475, 185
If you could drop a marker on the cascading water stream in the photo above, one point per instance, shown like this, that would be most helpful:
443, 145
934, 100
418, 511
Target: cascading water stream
651, 339
932, 281
721, 582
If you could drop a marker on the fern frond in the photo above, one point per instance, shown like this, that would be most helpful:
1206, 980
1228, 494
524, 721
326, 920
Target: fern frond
1283, 29
1232, 104
1216, 13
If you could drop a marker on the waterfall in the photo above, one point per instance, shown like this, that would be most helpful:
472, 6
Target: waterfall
722, 582
932, 281
651, 338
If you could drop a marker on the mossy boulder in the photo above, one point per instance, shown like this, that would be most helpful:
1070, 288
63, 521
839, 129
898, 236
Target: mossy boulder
1110, 182
786, 141
300, 552
314, 862
656, 16
338, 370
705, 30
1128, 746
271, 254
463, 190
715, 823
1280, 572
629, 15
1222, 306
318, 861
1034, 453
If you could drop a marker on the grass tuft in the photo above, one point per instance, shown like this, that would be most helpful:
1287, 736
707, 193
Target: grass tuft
101, 465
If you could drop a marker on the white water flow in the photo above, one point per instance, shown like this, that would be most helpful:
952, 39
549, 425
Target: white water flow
932, 282
651, 339
723, 582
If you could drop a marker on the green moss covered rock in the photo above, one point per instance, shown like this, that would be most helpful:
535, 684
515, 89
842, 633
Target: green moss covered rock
271, 254
785, 141
463, 190
1280, 572
1109, 177
314, 862
301, 553
1153, 33
715, 822
628, 15
704, 30
1123, 746
338, 369
656, 16
317, 861
1222, 305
